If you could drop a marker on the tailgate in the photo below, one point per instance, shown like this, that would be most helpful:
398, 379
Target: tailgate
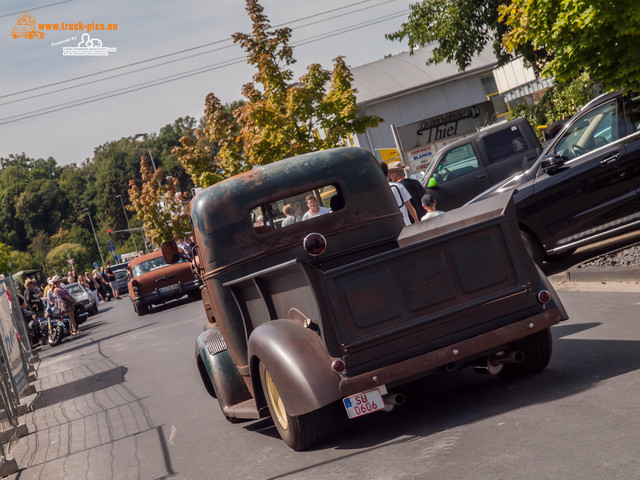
465, 274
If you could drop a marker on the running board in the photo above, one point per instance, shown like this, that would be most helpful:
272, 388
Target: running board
598, 236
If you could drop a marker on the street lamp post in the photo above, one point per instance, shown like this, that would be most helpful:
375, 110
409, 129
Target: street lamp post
137, 135
94, 235
127, 219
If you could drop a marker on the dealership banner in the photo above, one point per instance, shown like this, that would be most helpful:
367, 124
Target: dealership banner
9, 344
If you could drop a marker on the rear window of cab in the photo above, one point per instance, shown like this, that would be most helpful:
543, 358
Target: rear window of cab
290, 210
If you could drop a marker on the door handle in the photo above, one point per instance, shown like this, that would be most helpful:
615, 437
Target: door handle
610, 159
482, 176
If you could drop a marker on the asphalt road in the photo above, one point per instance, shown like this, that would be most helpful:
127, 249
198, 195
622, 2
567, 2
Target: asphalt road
124, 400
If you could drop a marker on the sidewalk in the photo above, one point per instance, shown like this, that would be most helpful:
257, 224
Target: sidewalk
84, 421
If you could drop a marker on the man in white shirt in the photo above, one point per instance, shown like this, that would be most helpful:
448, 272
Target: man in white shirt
401, 194
314, 209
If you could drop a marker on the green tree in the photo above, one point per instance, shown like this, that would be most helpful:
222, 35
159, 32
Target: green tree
5, 259
56, 259
280, 117
559, 102
590, 36
459, 30
163, 209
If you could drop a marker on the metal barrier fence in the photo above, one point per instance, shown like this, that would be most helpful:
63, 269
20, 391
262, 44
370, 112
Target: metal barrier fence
16, 352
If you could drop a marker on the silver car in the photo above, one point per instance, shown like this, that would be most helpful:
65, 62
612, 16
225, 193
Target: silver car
83, 296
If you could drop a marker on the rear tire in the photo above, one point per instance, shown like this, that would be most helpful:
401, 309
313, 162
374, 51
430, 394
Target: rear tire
302, 431
534, 249
537, 350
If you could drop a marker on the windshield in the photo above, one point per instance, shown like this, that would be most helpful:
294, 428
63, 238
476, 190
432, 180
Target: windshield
150, 265
74, 289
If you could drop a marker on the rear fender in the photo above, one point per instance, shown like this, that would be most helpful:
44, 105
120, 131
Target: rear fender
298, 363
218, 371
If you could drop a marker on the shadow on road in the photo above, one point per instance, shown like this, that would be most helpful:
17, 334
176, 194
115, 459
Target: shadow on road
70, 344
80, 387
437, 404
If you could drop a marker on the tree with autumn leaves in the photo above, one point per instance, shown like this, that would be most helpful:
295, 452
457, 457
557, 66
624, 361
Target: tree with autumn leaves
279, 117
163, 209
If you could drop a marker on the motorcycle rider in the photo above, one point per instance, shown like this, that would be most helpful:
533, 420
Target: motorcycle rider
32, 299
35, 310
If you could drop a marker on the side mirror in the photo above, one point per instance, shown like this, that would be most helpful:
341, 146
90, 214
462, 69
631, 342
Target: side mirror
432, 183
552, 163
170, 251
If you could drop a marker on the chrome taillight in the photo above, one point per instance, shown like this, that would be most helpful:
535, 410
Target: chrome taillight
338, 366
544, 296
314, 244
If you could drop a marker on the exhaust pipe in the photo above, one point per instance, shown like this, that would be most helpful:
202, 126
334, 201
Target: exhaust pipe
506, 358
391, 400
495, 362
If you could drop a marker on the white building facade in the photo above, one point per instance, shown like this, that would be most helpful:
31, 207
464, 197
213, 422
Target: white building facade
426, 107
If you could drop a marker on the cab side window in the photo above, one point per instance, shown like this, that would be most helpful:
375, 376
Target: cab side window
456, 162
504, 144
595, 129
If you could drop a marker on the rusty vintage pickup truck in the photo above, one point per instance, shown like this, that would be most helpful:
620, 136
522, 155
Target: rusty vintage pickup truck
310, 320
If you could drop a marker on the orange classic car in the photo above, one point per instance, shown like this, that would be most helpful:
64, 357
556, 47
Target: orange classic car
152, 281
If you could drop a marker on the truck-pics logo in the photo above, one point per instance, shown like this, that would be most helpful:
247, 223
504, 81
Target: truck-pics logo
26, 27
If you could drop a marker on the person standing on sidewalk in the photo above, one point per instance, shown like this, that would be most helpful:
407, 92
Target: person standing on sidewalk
402, 196
105, 282
102, 293
65, 303
112, 280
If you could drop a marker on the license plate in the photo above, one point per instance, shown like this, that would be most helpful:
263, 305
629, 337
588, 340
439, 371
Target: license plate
170, 288
363, 403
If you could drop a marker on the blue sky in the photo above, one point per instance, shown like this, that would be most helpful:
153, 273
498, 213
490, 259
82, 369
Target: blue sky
155, 29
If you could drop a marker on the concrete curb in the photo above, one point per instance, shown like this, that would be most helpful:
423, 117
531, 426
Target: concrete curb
603, 274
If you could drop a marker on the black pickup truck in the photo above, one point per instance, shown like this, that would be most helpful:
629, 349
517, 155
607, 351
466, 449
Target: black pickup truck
466, 168
315, 319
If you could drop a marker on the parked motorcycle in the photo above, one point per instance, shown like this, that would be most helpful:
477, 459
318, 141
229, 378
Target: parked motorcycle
60, 324
38, 328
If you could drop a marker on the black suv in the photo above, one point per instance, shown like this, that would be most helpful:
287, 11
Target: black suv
584, 186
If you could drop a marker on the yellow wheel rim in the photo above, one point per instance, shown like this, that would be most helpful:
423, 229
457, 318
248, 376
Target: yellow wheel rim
276, 402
